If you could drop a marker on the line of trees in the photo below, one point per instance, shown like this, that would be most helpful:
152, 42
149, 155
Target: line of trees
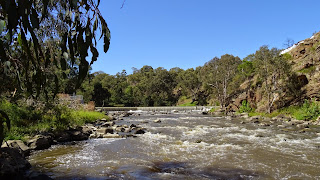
44, 51
215, 83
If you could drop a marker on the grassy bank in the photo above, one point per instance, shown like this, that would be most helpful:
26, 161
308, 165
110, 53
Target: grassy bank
309, 110
27, 121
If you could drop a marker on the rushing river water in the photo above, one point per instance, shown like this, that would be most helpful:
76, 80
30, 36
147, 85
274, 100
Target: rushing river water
188, 146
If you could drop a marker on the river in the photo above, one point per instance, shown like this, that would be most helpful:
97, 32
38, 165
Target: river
188, 146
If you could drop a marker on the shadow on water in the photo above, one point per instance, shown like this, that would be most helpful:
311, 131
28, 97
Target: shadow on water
174, 170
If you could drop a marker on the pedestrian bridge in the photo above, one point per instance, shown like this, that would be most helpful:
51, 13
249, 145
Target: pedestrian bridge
165, 108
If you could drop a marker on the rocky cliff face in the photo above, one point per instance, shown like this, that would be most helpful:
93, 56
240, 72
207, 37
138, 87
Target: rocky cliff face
304, 58
306, 63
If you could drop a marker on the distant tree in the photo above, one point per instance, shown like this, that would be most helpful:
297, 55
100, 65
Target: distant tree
219, 73
190, 83
271, 68
288, 43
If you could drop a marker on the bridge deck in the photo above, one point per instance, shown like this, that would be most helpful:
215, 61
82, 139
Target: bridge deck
167, 108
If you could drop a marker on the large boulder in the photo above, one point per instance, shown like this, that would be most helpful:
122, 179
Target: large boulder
13, 164
19, 145
62, 136
108, 124
78, 135
104, 130
39, 142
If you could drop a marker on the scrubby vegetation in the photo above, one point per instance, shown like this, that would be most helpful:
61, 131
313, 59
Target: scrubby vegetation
309, 110
245, 107
27, 121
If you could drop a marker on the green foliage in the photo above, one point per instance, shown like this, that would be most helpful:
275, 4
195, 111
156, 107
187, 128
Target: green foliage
314, 47
287, 56
213, 109
308, 111
184, 101
308, 70
44, 42
218, 75
245, 107
4, 119
271, 68
27, 121
246, 68
189, 104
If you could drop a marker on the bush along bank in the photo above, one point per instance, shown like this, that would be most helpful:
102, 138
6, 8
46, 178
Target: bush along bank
300, 119
80, 126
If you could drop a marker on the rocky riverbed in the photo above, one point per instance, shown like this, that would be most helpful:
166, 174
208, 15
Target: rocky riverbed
13, 152
188, 130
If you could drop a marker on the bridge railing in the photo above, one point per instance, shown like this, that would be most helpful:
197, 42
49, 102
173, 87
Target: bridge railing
166, 108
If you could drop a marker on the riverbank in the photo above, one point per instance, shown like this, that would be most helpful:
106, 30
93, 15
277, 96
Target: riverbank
187, 145
115, 127
13, 153
285, 122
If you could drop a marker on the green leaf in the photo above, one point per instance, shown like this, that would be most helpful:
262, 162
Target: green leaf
95, 24
3, 118
95, 54
83, 71
19, 39
65, 55
74, 4
2, 25
63, 64
7, 63
71, 50
34, 19
2, 52
56, 81
106, 44
73, 33
44, 9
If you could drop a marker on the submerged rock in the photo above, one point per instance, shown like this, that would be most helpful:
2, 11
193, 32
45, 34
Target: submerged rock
140, 131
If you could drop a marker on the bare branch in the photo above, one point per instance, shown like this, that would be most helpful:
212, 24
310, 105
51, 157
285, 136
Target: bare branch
123, 4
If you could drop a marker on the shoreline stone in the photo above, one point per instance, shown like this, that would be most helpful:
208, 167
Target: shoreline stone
14, 151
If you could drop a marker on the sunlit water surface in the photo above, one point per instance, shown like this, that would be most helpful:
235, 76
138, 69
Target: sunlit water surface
188, 146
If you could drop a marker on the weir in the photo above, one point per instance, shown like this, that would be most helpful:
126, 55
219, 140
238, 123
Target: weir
166, 108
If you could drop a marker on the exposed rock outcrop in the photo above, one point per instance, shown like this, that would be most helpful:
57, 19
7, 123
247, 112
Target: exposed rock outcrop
304, 58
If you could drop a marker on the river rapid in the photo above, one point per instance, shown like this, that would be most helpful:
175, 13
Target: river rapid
187, 146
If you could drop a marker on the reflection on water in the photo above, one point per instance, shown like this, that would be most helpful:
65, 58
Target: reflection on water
188, 146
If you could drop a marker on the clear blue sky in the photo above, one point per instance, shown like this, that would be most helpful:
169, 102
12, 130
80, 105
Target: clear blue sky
188, 33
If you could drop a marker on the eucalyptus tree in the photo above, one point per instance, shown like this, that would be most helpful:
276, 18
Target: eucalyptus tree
28, 26
218, 74
190, 83
273, 70
40, 39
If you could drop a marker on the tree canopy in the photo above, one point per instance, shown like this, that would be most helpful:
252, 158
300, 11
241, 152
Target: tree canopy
44, 41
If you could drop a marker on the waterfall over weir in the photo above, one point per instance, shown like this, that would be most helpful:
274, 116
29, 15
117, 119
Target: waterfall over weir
157, 109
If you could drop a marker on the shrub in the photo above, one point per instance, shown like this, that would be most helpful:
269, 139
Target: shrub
29, 121
245, 107
287, 56
308, 111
